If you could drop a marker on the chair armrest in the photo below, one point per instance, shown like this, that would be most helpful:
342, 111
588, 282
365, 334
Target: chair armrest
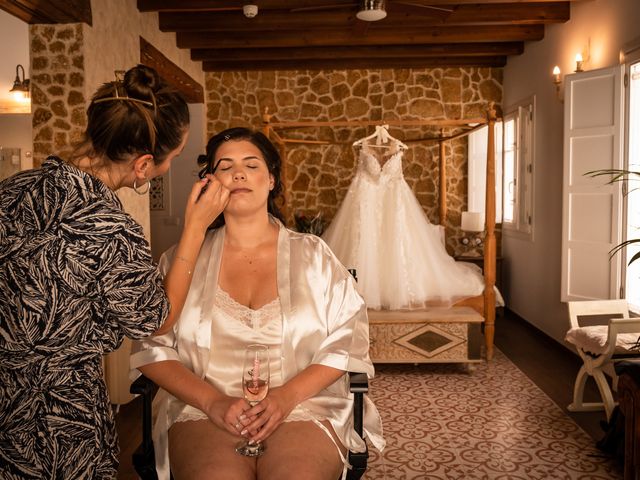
625, 325
147, 389
142, 386
358, 382
358, 385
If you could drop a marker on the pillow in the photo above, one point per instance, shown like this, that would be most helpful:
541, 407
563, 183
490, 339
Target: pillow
594, 340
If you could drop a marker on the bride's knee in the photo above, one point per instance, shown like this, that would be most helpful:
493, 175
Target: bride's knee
199, 450
296, 468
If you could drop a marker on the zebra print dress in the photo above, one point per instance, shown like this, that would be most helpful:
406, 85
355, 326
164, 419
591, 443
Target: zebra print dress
76, 276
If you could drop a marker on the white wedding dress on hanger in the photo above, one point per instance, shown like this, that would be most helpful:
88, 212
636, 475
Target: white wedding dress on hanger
381, 230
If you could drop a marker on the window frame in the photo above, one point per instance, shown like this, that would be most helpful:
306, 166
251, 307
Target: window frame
630, 58
477, 170
524, 114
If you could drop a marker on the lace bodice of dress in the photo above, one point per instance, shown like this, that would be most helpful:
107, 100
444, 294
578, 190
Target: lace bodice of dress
372, 168
254, 319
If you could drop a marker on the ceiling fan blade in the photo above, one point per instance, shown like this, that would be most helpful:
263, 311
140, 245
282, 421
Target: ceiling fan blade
422, 5
324, 7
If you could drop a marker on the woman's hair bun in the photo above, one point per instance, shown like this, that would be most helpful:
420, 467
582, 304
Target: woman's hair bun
202, 159
142, 82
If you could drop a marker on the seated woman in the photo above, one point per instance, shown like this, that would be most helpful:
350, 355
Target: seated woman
255, 281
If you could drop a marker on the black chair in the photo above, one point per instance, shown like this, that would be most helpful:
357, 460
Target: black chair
144, 458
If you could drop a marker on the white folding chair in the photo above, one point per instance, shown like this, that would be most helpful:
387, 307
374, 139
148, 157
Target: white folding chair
613, 338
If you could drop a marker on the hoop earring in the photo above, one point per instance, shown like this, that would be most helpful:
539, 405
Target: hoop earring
144, 191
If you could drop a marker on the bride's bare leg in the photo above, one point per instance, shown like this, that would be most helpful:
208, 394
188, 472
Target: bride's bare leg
300, 450
200, 450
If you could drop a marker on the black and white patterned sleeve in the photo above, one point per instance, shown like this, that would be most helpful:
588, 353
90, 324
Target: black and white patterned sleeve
131, 285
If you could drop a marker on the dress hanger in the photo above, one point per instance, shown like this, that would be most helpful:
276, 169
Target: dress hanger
382, 137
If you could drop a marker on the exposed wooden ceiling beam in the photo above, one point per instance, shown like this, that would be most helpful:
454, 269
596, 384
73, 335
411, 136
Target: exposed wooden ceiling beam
336, 37
174, 75
208, 5
314, 34
356, 52
466, 2
350, 63
522, 14
49, 11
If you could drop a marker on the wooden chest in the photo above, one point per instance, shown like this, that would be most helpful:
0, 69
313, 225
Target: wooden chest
435, 335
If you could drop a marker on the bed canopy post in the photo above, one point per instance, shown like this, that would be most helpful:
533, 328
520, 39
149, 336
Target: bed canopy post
490, 238
443, 181
266, 120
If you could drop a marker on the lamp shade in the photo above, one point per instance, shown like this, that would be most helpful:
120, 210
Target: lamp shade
20, 89
472, 222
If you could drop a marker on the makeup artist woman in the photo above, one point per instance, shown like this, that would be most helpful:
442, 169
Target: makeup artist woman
76, 276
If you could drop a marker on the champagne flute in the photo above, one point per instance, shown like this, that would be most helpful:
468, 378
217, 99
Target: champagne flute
255, 385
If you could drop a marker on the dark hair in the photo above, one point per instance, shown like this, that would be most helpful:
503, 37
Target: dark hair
269, 152
138, 115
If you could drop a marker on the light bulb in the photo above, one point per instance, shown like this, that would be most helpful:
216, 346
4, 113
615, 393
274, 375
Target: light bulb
556, 74
578, 62
18, 96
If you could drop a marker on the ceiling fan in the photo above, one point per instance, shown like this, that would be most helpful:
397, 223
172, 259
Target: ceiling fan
371, 10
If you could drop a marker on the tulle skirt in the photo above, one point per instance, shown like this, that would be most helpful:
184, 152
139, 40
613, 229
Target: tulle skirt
399, 256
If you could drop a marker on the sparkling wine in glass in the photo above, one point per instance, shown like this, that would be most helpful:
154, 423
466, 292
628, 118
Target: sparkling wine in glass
255, 385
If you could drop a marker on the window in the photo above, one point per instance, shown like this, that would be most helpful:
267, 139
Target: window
477, 170
517, 186
631, 287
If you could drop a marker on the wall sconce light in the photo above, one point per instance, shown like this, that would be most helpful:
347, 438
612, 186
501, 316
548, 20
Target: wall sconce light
578, 63
557, 80
20, 89
472, 222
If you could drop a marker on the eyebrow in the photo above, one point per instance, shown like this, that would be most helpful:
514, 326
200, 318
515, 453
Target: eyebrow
250, 157
226, 159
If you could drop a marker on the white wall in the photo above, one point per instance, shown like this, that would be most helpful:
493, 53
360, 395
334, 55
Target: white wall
15, 132
14, 50
15, 128
532, 268
166, 225
113, 43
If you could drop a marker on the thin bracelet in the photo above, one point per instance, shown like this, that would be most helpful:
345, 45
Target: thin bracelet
178, 257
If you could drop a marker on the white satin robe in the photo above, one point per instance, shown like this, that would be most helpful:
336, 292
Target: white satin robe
324, 322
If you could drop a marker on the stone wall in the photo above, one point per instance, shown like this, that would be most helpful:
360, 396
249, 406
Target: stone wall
57, 88
317, 176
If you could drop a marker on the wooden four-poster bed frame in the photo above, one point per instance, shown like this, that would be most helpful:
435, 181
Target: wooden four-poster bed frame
484, 304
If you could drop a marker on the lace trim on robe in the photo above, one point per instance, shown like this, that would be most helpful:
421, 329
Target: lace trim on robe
255, 319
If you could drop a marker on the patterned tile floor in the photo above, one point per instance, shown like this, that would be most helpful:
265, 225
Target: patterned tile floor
442, 422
